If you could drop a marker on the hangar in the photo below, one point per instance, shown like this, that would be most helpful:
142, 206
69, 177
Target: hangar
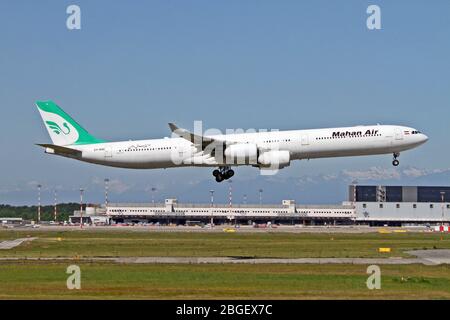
398, 205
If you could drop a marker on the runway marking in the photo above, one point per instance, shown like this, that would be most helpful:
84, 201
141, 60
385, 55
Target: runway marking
9, 244
435, 256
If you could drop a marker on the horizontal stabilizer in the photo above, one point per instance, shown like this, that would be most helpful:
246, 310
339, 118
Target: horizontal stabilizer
60, 149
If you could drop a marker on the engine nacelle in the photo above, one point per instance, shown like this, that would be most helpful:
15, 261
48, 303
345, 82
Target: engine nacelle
275, 159
243, 153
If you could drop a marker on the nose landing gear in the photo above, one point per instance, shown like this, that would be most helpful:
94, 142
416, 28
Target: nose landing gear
223, 173
395, 162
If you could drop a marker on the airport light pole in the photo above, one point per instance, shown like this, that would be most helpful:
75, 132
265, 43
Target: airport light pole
245, 199
106, 194
212, 207
354, 183
442, 206
260, 196
55, 211
39, 203
230, 197
81, 207
153, 195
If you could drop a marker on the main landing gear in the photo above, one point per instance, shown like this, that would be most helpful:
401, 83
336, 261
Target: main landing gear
223, 173
395, 162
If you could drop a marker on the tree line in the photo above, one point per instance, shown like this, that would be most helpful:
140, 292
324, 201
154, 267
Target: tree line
64, 210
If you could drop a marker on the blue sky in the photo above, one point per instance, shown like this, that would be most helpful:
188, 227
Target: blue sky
135, 66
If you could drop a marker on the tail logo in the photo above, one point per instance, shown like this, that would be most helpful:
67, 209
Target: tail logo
57, 129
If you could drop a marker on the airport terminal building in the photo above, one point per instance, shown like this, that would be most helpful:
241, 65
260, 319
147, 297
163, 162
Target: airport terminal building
367, 205
184, 213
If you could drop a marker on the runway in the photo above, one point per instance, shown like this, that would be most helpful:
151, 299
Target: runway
231, 260
425, 257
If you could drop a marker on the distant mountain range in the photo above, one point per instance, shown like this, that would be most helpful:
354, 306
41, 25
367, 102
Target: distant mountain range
321, 188
192, 187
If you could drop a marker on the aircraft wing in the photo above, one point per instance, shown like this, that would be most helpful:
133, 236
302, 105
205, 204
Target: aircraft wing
201, 142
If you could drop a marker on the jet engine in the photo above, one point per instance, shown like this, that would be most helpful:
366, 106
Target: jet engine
275, 159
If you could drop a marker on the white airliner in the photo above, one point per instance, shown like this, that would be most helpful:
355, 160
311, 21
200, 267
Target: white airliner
265, 150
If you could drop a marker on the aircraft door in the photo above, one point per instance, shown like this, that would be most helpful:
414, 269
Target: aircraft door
305, 140
108, 152
398, 134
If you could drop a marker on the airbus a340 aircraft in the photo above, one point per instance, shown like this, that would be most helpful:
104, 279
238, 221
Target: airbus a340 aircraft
265, 150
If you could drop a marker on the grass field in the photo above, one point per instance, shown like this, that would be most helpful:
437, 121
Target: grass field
47, 279
112, 281
277, 245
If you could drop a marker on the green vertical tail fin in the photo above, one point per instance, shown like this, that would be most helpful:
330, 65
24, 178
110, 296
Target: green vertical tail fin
63, 130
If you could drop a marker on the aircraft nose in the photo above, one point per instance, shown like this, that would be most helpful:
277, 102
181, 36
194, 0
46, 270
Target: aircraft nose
424, 138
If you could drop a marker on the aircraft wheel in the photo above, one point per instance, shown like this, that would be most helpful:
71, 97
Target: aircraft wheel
216, 173
395, 163
219, 177
230, 173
